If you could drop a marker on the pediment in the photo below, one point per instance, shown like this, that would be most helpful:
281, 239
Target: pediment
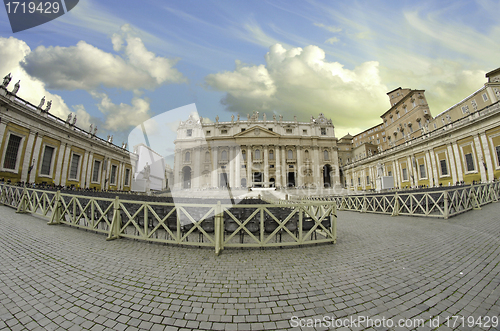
257, 132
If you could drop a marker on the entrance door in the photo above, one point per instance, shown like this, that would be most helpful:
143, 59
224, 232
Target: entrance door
186, 174
327, 180
223, 180
257, 179
291, 179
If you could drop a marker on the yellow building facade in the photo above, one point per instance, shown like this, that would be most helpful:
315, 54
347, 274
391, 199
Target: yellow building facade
460, 145
37, 147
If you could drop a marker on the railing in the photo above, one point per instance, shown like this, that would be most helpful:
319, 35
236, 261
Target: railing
442, 203
214, 225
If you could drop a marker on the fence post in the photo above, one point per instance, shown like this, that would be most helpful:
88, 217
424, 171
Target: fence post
3, 195
56, 214
22, 207
333, 221
114, 229
364, 208
475, 202
446, 211
219, 227
395, 211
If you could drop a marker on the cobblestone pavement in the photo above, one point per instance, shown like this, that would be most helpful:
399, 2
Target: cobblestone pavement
397, 268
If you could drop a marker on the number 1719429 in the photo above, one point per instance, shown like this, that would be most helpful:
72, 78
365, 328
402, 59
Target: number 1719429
31, 7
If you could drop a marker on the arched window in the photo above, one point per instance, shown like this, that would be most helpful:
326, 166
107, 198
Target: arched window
290, 154
187, 157
207, 157
257, 154
223, 155
325, 155
271, 155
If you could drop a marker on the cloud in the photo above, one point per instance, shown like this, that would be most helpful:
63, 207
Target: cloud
332, 40
332, 29
300, 81
87, 67
120, 117
12, 52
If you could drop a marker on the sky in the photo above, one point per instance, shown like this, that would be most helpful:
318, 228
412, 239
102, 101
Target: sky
116, 64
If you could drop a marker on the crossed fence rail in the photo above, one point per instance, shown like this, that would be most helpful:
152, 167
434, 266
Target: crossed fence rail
214, 225
442, 203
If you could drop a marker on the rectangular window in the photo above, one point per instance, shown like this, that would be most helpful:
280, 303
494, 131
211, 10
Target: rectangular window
389, 173
243, 166
359, 181
485, 97
422, 171
113, 174
243, 130
367, 180
288, 130
290, 166
12, 151
127, 175
223, 131
405, 174
189, 132
73, 169
323, 131
444, 168
271, 166
95, 173
352, 182
469, 162
270, 129
47, 160
208, 133
304, 132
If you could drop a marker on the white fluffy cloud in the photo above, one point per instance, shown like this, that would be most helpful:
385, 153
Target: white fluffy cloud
301, 81
87, 67
12, 52
120, 117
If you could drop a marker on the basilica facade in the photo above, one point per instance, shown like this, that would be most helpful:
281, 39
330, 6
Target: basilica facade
256, 152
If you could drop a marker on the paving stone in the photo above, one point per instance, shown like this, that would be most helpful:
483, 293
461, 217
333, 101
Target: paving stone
58, 277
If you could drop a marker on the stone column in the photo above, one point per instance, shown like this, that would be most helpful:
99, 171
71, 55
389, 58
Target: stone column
487, 156
196, 164
284, 169
90, 163
428, 167
67, 160
249, 166
395, 174
36, 155
316, 168
336, 167
59, 165
277, 166
460, 171
453, 166
215, 166
480, 157
231, 175
435, 170
83, 169
298, 171
3, 125
27, 157
177, 169
237, 173
266, 166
